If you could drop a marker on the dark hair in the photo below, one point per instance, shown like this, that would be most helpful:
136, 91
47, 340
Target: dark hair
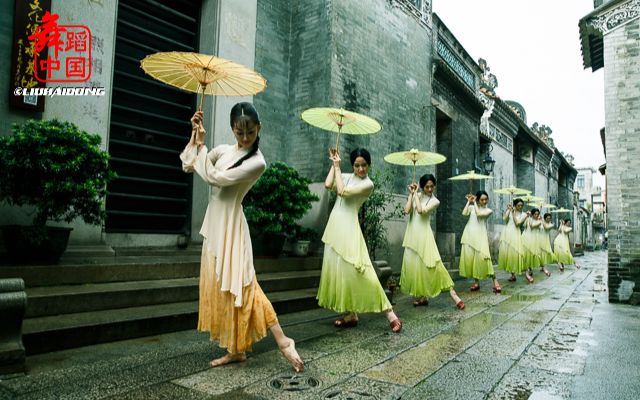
535, 210
546, 215
426, 178
479, 193
360, 152
240, 115
567, 220
516, 201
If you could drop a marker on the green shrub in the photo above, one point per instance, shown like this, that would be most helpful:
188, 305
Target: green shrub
278, 199
56, 168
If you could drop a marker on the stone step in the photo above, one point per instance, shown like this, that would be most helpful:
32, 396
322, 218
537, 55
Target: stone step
50, 333
118, 269
67, 299
134, 268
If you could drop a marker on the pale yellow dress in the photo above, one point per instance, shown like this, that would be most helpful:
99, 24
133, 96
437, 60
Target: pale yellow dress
511, 248
423, 274
232, 307
348, 281
562, 246
546, 253
475, 258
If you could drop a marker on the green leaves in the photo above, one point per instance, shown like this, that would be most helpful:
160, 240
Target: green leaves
279, 198
57, 168
380, 207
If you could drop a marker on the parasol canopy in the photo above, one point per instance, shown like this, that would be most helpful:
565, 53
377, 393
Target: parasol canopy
203, 74
531, 199
470, 176
541, 205
414, 157
340, 121
561, 210
511, 190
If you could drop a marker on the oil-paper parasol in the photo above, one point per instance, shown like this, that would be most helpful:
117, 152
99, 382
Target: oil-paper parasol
531, 199
561, 210
415, 157
340, 121
203, 74
470, 176
511, 190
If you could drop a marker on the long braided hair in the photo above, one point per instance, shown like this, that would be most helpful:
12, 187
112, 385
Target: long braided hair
241, 115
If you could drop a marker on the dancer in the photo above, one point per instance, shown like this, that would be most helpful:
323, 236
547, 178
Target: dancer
423, 274
546, 254
232, 307
475, 259
561, 246
531, 255
510, 253
348, 282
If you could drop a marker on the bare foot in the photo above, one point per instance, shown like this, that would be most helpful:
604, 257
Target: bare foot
228, 359
289, 352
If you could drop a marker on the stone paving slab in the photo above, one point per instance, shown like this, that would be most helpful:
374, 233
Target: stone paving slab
539, 341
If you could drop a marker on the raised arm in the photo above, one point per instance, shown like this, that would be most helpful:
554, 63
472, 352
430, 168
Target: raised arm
508, 214
431, 205
329, 181
411, 198
520, 221
249, 170
466, 211
190, 152
482, 212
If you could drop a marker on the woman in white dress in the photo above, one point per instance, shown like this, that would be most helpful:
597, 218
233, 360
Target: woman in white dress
232, 306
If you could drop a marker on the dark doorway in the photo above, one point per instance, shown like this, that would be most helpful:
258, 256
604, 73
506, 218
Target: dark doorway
150, 120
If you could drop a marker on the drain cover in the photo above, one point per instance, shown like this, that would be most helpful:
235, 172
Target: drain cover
294, 383
350, 395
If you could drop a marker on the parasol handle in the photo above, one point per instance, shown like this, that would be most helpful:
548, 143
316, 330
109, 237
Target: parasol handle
338, 139
414, 172
204, 87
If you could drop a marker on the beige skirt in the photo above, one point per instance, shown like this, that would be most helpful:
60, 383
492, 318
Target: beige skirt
234, 328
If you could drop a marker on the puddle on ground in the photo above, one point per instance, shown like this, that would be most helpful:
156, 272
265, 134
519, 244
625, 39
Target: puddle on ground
527, 297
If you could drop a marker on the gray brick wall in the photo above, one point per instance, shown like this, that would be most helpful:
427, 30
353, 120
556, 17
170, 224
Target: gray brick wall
622, 121
334, 54
272, 60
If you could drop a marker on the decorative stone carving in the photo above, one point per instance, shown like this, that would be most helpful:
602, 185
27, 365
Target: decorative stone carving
487, 95
616, 17
420, 9
544, 133
13, 302
489, 82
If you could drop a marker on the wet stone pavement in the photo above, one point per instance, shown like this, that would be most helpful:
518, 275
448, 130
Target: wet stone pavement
556, 339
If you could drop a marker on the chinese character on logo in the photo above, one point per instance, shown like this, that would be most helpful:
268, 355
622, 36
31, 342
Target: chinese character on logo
72, 50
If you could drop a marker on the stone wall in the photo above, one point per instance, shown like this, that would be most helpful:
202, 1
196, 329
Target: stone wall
622, 121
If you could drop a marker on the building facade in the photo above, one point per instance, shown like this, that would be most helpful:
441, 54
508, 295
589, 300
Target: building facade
393, 60
609, 36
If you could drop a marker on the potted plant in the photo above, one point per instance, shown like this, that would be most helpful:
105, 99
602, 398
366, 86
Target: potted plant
303, 238
379, 208
274, 205
61, 172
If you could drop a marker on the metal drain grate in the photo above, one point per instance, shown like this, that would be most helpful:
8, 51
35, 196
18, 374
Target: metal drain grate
294, 383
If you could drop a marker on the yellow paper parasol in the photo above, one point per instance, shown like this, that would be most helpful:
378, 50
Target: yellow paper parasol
414, 157
204, 74
470, 176
541, 204
340, 121
561, 210
531, 199
511, 190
